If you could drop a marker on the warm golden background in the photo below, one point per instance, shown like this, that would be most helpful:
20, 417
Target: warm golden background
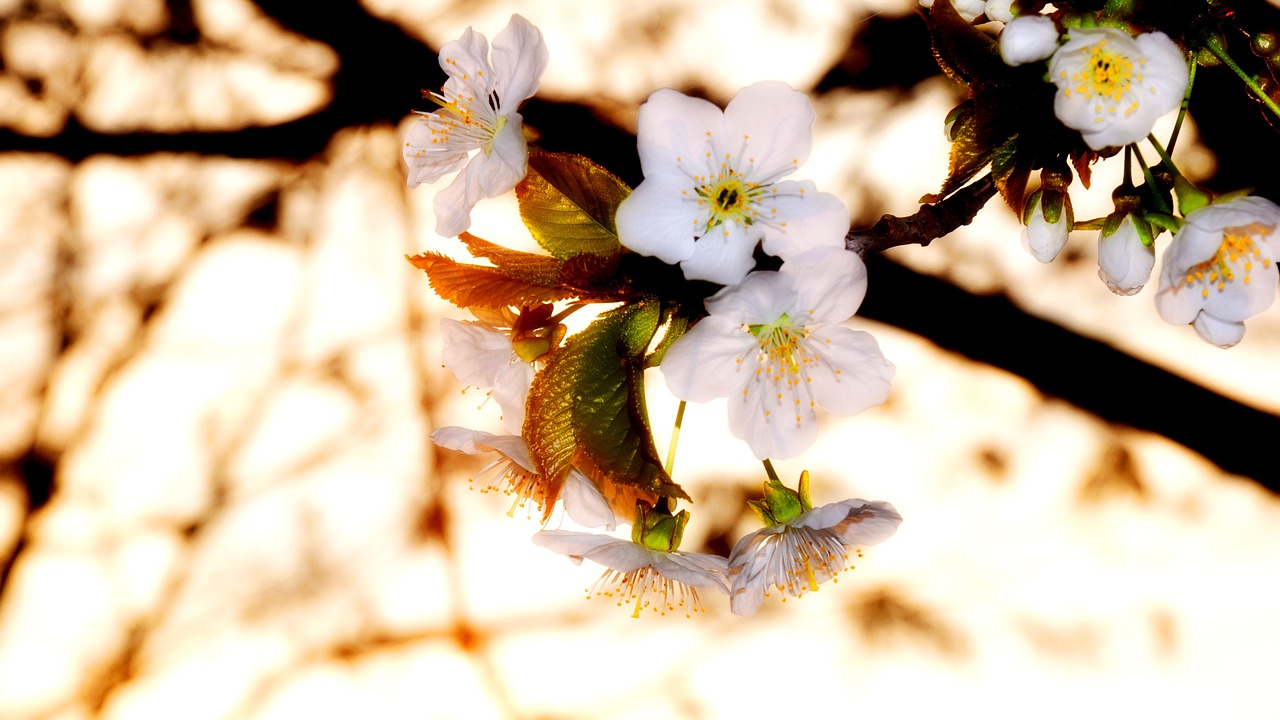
217, 497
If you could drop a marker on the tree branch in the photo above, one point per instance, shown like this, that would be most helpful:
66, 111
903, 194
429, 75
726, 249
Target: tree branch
930, 222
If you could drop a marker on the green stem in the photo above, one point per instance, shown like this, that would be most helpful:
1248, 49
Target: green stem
1161, 205
1214, 43
768, 469
675, 439
1186, 102
1164, 155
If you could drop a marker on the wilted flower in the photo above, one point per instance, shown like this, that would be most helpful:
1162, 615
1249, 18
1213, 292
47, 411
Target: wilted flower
477, 129
1112, 87
712, 186
1220, 268
774, 346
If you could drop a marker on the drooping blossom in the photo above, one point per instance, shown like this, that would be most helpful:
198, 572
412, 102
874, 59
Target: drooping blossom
500, 350
713, 185
1028, 39
1124, 262
646, 571
1112, 87
1220, 268
774, 346
795, 553
477, 129
513, 473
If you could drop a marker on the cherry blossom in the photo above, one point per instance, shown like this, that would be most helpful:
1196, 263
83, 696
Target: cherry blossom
477, 130
774, 346
1220, 268
713, 185
1112, 87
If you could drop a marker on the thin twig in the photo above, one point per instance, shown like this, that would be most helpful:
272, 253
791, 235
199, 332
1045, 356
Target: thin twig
929, 222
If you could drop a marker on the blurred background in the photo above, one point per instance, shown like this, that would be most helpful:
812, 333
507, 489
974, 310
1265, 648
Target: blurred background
217, 495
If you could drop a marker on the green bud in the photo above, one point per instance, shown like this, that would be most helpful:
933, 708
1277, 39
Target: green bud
1264, 43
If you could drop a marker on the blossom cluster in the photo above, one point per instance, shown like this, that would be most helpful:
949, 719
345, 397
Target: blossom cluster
1111, 80
716, 190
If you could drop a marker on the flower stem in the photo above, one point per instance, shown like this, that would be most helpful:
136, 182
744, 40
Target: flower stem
675, 439
1186, 102
1214, 43
1164, 155
1152, 187
768, 469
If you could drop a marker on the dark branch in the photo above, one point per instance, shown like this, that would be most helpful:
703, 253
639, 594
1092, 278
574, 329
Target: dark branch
929, 222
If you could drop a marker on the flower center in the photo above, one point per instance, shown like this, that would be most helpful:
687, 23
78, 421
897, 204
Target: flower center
1106, 72
784, 358
728, 197
1234, 257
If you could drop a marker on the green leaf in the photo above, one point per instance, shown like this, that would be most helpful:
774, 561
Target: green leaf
568, 203
587, 405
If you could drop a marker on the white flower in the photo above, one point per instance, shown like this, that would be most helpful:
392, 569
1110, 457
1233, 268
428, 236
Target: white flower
1220, 268
798, 555
1028, 39
1124, 263
712, 187
968, 9
1112, 87
773, 345
1000, 10
477, 129
639, 576
513, 473
1044, 239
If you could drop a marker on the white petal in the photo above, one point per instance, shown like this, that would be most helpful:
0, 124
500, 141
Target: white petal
672, 129
761, 298
621, 555
1124, 263
428, 161
466, 62
1222, 333
486, 175
706, 362
802, 221
855, 375
693, 569
1237, 300
473, 352
768, 129
724, 255
830, 284
472, 442
1001, 11
658, 220
767, 417
1178, 304
519, 58
511, 391
1044, 240
584, 503
858, 522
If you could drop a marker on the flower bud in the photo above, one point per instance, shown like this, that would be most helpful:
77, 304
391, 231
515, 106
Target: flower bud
1125, 258
1000, 10
1028, 39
